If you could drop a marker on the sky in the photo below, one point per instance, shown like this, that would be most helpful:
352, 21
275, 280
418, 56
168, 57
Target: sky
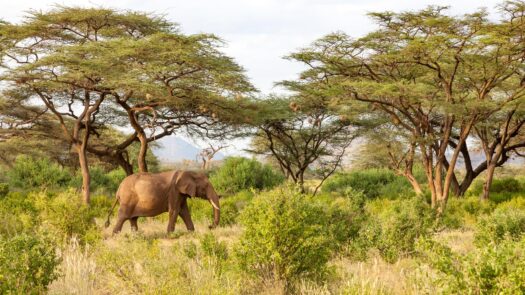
259, 33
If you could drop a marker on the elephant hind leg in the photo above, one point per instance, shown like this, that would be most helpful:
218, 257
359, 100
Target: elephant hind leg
134, 223
123, 215
118, 225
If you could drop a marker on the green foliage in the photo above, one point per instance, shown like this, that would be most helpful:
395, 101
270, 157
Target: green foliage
213, 248
65, 216
372, 182
346, 215
31, 173
17, 214
4, 189
28, 264
239, 173
517, 203
102, 181
464, 212
115, 177
503, 223
231, 207
501, 190
285, 236
489, 269
395, 225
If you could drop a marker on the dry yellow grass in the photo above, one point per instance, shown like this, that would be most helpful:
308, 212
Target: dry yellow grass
151, 262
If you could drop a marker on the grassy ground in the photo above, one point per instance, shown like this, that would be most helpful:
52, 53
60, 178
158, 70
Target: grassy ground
150, 262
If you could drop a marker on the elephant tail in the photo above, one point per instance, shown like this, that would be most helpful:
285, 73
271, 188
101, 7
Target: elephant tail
111, 210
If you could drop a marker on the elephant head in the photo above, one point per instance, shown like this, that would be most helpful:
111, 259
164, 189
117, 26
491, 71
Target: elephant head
195, 184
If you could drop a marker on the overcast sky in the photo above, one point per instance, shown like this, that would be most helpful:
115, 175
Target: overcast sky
259, 32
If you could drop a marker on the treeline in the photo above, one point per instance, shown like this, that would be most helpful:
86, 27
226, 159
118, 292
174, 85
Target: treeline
425, 89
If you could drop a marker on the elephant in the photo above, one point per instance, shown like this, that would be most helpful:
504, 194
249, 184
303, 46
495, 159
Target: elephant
150, 194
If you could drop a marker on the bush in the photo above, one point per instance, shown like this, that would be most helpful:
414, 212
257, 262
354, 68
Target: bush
517, 203
213, 248
501, 190
65, 216
232, 206
31, 173
489, 269
101, 180
285, 236
461, 212
17, 214
372, 182
503, 223
395, 225
28, 264
239, 173
4, 189
346, 214
100, 205
115, 177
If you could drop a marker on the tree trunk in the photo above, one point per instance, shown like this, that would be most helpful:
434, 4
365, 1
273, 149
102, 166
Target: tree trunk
300, 181
488, 181
143, 166
414, 183
465, 184
84, 169
124, 164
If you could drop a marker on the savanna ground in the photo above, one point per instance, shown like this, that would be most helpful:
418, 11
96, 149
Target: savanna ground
365, 233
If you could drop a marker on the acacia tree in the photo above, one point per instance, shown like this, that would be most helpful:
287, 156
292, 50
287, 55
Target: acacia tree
302, 132
96, 65
434, 75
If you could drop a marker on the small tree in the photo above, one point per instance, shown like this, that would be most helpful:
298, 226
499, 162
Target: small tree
302, 133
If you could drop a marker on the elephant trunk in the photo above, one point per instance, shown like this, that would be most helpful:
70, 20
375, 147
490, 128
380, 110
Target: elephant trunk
216, 217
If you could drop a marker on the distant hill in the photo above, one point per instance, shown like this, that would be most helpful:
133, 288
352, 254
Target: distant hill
175, 149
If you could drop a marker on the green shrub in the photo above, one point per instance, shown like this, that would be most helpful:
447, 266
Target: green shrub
464, 212
28, 264
4, 189
395, 225
517, 203
239, 173
503, 223
17, 214
232, 206
65, 216
489, 269
285, 236
501, 190
212, 247
31, 173
372, 182
115, 177
346, 215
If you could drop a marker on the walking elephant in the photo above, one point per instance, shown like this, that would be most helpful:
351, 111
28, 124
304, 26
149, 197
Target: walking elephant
150, 194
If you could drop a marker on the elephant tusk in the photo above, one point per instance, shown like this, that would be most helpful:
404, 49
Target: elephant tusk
214, 205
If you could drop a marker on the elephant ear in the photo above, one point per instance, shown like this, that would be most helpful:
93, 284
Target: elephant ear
186, 184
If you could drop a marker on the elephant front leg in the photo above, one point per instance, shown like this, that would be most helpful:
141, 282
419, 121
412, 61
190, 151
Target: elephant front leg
174, 210
186, 216
172, 220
